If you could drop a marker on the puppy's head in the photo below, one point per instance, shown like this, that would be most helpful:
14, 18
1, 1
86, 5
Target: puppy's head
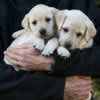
40, 21
75, 29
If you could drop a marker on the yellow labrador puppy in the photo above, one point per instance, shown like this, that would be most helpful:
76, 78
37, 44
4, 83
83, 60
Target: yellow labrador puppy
75, 31
39, 31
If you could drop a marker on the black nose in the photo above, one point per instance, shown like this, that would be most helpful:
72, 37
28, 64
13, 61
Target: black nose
68, 45
43, 32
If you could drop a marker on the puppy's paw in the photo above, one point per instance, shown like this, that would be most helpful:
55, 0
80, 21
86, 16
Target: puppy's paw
39, 44
63, 52
18, 33
48, 51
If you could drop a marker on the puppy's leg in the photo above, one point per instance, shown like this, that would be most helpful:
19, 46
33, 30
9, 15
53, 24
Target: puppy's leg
18, 33
50, 47
63, 52
38, 44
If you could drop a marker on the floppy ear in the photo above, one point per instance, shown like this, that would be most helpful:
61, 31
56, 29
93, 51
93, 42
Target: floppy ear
89, 34
53, 10
90, 31
26, 23
60, 18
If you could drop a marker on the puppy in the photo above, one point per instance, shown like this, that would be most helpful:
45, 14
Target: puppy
75, 31
39, 27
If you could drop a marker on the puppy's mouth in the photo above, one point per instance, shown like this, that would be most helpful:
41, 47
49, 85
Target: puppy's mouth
68, 46
44, 36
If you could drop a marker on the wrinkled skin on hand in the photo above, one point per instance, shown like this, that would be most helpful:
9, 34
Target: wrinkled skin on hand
77, 88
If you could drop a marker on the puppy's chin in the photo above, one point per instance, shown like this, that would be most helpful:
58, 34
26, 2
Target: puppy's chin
46, 36
80, 47
85, 44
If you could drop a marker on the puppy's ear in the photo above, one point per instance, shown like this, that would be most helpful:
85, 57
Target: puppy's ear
26, 23
89, 34
90, 31
54, 10
60, 18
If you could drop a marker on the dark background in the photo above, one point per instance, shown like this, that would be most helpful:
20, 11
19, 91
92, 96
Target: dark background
96, 84
98, 3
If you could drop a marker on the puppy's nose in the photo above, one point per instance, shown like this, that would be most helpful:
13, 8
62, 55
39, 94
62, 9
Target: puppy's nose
68, 45
43, 32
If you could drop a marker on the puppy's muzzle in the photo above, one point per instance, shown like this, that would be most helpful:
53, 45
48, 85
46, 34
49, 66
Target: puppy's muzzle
43, 32
68, 45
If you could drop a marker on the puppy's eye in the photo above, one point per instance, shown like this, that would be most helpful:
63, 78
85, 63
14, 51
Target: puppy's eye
79, 34
47, 19
65, 29
34, 22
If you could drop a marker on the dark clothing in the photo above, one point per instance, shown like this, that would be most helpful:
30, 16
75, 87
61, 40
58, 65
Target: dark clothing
45, 86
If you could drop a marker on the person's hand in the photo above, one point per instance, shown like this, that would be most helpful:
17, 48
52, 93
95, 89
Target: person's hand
28, 58
77, 88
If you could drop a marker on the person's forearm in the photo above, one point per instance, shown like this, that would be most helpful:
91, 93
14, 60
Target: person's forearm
86, 63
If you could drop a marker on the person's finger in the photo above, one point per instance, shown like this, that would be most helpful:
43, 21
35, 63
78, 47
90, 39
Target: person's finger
78, 86
82, 94
85, 88
79, 89
84, 77
27, 46
25, 63
20, 65
14, 56
78, 83
82, 91
14, 62
77, 78
23, 51
16, 51
17, 59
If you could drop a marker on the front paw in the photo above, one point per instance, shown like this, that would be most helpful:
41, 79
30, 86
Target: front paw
63, 52
47, 51
39, 44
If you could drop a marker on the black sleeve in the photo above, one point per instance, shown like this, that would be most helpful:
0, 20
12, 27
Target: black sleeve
83, 62
3, 27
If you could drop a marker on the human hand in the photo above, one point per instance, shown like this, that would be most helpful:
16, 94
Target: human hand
77, 88
27, 58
